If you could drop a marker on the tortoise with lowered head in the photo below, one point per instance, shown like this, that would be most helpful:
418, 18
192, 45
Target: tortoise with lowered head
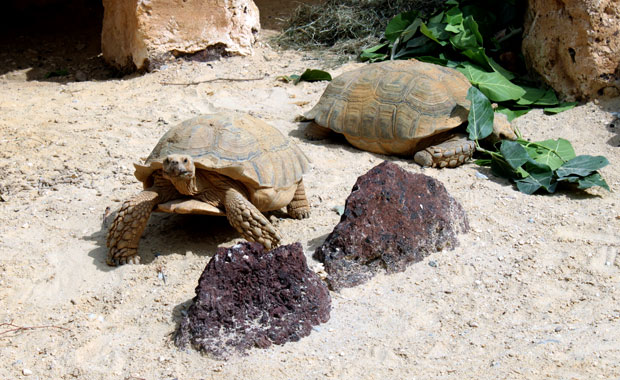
226, 163
401, 108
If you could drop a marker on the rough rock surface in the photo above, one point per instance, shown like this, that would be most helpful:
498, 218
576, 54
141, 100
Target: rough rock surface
141, 34
248, 297
574, 45
392, 218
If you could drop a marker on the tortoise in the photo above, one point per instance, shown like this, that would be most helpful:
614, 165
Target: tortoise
401, 108
225, 163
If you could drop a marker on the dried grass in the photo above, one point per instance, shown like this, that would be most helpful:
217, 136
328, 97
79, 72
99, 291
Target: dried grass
344, 27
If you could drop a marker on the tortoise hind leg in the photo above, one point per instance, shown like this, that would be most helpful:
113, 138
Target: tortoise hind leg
128, 226
249, 221
314, 131
450, 153
299, 208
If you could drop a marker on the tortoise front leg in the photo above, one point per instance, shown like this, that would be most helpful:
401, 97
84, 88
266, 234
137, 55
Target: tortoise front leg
451, 153
126, 230
299, 208
248, 220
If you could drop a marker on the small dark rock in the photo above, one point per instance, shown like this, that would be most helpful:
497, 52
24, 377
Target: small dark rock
247, 297
392, 218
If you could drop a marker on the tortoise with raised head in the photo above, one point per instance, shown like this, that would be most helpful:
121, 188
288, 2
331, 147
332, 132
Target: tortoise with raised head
226, 163
407, 108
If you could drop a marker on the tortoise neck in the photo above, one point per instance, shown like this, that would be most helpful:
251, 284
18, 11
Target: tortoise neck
185, 186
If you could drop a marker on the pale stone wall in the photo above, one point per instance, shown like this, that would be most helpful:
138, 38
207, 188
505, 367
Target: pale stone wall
575, 46
140, 33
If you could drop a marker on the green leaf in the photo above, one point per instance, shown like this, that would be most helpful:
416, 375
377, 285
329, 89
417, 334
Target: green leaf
373, 57
477, 55
410, 30
313, 75
483, 161
512, 114
480, 118
464, 41
562, 147
561, 108
398, 24
583, 165
535, 181
435, 32
514, 154
501, 169
499, 69
471, 26
594, 179
495, 86
372, 54
454, 16
548, 99
375, 48
531, 95
553, 153
455, 28
411, 53
437, 19
418, 42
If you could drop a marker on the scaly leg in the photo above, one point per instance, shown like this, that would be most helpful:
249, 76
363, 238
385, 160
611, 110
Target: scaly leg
127, 228
299, 207
316, 132
450, 153
250, 222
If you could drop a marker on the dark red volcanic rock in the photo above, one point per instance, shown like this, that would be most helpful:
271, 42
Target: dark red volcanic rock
247, 297
392, 218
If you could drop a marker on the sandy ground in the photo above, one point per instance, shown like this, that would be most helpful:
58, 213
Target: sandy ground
530, 293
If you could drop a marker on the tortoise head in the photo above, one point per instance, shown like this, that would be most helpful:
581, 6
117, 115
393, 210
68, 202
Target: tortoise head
178, 167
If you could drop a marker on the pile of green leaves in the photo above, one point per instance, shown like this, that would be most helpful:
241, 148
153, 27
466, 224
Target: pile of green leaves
533, 166
469, 35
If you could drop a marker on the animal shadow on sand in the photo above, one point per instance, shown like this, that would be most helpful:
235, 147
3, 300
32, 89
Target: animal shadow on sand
167, 234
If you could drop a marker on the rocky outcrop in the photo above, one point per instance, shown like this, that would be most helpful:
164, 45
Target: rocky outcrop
142, 33
392, 218
247, 297
575, 46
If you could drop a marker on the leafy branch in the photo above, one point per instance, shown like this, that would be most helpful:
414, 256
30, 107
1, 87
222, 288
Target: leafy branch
532, 165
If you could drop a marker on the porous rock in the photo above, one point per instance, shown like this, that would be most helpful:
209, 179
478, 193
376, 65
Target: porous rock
142, 34
574, 45
392, 218
247, 297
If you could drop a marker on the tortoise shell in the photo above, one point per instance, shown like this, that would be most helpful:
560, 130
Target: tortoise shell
234, 144
394, 107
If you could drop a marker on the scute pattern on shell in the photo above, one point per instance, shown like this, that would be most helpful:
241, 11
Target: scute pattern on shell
394, 101
234, 144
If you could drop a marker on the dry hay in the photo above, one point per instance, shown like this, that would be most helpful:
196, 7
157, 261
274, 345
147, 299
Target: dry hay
345, 27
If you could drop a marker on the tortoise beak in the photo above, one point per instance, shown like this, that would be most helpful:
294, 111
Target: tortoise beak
180, 171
